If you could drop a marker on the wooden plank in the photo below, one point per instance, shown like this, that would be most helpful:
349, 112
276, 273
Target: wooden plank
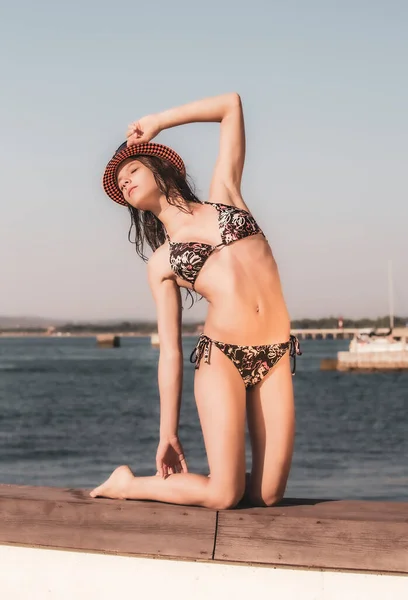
359, 510
342, 534
70, 519
35, 492
306, 541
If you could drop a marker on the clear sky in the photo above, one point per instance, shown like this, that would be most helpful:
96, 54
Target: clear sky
325, 93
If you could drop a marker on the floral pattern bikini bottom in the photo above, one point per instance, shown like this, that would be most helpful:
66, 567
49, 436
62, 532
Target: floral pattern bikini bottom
252, 362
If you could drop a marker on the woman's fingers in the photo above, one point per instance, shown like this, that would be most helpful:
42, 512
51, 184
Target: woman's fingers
164, 470
176, 468
136, 139
133, 127
135, 134
160, 468
180, 467
132, 139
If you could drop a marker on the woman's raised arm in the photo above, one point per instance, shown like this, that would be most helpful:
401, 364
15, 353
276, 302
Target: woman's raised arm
226, 110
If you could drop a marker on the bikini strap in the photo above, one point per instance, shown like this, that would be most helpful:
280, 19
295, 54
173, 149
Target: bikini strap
218, 205
202, 350
294, 350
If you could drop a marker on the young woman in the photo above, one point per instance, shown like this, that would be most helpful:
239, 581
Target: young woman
242, 359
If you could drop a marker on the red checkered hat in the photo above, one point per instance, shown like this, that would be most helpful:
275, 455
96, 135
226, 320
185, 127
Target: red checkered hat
110, 184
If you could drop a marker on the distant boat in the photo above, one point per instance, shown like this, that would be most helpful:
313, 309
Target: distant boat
108, 340
372, 340
380, 340
377, 349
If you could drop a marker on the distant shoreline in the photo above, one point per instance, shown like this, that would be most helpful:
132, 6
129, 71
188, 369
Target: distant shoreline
85, 334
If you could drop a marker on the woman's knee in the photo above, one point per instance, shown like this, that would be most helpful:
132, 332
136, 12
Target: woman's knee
224, 497
265, 500
264, 497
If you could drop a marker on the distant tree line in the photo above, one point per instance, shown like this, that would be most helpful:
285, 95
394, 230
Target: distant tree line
22, 330
148, 327
141, 327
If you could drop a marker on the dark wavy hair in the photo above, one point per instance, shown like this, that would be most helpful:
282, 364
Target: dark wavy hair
145, 226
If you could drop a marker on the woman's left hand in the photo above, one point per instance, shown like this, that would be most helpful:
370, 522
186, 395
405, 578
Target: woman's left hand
143, 131
170, 457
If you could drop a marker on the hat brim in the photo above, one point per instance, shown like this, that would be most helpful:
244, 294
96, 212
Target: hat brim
109, 181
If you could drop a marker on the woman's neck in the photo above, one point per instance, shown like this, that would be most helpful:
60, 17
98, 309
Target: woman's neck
174, 216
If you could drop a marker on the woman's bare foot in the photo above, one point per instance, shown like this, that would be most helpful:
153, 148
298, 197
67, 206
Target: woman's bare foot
116, 485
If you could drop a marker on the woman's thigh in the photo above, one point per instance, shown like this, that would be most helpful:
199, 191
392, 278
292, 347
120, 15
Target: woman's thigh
221, 398
271, 423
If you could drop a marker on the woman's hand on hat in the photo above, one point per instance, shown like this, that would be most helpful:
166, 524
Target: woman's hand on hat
144, 130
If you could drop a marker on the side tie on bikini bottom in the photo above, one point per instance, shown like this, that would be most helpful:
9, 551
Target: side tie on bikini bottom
252, 362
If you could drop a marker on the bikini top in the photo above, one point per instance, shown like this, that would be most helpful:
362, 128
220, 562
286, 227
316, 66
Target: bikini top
188, 258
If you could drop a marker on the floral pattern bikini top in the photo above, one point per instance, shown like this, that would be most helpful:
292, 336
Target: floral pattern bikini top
188, 258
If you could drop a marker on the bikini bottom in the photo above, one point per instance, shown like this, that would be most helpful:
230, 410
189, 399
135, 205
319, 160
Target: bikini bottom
252, 362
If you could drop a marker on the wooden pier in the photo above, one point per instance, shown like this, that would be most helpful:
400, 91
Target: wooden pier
60, 543
342, 334
322, 334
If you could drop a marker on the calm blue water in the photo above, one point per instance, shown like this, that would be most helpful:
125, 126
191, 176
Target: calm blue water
71, 412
